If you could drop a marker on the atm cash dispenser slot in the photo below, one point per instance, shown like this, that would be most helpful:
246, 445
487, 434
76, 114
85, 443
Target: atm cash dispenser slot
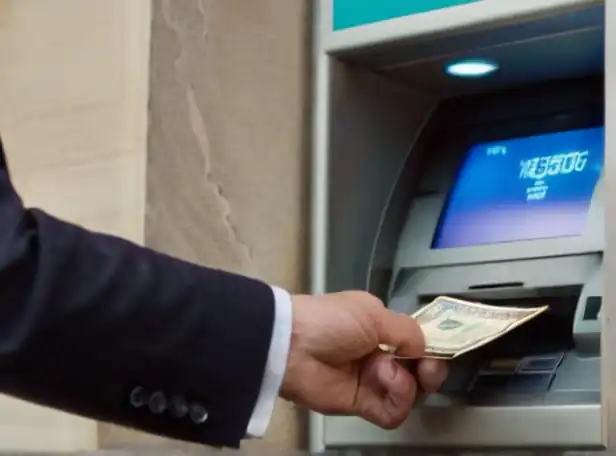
525, 361
553, 359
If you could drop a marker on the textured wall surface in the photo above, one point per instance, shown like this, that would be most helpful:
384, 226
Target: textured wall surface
73, 117
227, 161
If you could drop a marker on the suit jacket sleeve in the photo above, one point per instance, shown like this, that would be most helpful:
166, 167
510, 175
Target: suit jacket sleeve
100, 327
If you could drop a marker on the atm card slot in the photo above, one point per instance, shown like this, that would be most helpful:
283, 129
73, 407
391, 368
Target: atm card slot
500, 366
530, 383
593, 308
543, 363
484, 383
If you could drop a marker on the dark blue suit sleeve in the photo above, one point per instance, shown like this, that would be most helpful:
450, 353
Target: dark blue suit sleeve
97, 326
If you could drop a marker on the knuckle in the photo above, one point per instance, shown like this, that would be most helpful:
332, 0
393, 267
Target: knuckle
372, 301
366, 300
410, 331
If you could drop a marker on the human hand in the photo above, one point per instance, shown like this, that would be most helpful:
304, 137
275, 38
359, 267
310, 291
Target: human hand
335, 367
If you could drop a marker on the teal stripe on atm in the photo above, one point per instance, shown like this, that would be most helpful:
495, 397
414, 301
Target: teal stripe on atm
353, 13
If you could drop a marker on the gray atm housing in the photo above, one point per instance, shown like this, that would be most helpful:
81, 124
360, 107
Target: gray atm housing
545, 375
554, 360
390, 132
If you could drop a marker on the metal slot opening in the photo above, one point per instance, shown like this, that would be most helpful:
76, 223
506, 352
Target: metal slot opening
491, 286
548, 333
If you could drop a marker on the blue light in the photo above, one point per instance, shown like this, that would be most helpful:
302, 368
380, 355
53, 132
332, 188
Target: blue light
471, 68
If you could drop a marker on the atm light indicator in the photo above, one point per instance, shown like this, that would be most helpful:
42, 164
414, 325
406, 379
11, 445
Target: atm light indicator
471, 68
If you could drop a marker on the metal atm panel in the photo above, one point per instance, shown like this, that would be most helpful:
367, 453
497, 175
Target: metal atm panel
372, 116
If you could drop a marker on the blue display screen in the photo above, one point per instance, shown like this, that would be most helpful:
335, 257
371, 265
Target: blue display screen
523, 189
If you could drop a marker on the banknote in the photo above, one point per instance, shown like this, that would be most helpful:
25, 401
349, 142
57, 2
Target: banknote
453, 326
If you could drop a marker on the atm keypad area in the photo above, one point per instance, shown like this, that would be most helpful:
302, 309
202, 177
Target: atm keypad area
531, 374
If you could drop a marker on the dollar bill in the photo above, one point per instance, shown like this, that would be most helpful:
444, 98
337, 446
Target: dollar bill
453, 327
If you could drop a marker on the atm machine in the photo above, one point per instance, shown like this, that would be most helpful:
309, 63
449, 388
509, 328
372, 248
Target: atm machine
462, 151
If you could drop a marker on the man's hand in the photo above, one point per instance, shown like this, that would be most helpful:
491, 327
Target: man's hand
335, 366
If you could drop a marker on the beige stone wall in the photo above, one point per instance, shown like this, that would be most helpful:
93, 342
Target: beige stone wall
73, 116
227, 161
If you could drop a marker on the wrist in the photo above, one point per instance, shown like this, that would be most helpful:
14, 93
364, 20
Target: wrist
289, 388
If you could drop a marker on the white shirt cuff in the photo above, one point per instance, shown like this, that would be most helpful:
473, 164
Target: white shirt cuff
276, 365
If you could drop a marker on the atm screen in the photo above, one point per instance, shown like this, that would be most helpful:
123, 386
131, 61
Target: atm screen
519, 189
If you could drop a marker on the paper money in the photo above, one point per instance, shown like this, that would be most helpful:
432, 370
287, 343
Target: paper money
453, 327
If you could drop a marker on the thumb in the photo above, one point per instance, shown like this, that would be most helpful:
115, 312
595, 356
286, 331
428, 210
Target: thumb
400, 332
388, 393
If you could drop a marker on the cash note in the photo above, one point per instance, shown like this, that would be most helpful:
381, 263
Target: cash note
453, 327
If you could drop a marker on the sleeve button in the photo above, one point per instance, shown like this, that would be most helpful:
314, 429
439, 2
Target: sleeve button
157, 403
198, 413
138, 397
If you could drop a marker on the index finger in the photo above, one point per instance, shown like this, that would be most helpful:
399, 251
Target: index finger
400, 332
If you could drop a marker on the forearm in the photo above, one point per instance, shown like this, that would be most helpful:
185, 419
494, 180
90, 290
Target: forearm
86, 317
